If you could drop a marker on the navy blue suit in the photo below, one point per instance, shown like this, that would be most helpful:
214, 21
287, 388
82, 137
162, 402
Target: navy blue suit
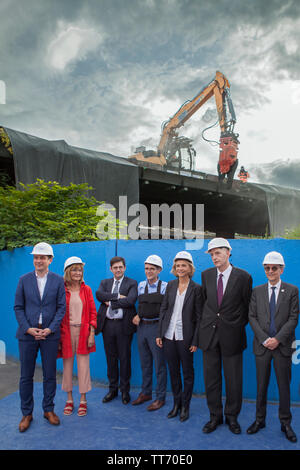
28, 307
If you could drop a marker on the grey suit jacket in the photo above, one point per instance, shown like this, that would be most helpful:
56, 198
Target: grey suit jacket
286, 317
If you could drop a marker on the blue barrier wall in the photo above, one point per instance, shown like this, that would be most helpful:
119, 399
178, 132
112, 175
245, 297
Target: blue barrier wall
246, 254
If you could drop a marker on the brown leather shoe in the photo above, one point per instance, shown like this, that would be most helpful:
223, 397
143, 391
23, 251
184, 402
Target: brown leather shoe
25, 423
156, 405
52, 417
141, 399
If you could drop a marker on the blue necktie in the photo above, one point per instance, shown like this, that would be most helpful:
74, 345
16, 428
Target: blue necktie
272, 330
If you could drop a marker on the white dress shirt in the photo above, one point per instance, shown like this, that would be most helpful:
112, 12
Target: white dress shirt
119, 312
174, 330
277, 290
41, 282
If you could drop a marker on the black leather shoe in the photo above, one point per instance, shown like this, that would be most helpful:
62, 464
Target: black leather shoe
125, 398
212, 425
175, 410
234, 426
289, 433
255, 427
184, 413
110, 396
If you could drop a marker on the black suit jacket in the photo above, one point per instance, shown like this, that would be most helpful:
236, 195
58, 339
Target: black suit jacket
129, 289
286, 317
190, 312
231, 317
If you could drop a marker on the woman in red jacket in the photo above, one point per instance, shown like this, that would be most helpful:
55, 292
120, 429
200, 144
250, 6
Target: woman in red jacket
77, 333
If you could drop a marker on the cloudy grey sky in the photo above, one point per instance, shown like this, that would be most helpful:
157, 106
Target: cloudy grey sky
104, 74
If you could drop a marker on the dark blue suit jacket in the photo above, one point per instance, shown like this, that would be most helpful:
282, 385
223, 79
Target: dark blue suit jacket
29, 305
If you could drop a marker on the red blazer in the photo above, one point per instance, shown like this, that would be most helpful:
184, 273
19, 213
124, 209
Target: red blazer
89, 318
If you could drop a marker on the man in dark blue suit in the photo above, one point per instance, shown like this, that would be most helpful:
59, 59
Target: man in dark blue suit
39, 307
117, 296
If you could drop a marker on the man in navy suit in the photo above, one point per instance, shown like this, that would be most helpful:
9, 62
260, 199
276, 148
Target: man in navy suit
39, 307
117, 310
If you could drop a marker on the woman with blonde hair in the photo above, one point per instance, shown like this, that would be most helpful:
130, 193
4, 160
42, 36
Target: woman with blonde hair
178, 331
77, 333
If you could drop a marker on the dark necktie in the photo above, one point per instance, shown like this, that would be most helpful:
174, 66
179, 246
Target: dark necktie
220, 289
112, 312
272, 330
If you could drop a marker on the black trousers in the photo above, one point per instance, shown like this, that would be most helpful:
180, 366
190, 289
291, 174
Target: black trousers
282, 368
213, 360
117, 348
177, 354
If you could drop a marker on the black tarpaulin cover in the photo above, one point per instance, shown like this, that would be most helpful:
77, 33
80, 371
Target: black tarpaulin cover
113, 176
283, 207
109, 175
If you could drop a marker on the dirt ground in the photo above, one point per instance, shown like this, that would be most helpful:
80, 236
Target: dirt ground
10, 375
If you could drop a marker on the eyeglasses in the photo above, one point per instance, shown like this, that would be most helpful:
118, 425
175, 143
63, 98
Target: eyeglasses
271, 268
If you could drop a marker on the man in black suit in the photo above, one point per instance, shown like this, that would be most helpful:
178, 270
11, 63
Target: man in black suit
273, 316
222, 336
117, 296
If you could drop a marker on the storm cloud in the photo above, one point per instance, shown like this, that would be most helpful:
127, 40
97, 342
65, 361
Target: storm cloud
105, 74
280, 173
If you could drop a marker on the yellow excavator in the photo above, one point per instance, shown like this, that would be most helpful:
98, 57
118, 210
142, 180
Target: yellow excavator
170, 142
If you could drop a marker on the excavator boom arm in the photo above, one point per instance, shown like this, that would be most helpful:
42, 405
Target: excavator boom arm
215, 88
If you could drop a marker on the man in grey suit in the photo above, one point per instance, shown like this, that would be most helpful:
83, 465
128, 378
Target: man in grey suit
273, 316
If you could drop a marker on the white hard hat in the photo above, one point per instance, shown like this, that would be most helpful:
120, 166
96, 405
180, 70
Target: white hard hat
273, 257
184, 255
42, 248
154, 259
73, 260
218, 243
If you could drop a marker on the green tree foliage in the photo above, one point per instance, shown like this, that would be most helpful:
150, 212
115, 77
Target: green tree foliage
5, 140
47, 211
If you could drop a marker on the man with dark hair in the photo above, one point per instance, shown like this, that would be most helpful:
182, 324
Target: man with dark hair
117, 296
40, 305
117, 259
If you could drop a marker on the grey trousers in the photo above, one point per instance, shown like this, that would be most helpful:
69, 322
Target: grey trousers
149, 352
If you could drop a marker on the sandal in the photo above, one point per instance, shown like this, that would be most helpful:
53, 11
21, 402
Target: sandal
82, 410
69, 407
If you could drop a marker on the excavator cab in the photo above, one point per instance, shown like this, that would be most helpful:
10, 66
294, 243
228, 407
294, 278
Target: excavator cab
180, 153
